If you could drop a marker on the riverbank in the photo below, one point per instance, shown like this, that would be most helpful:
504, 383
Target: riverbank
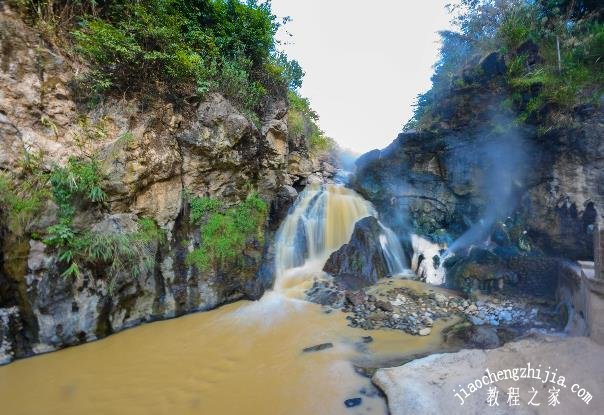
429, 385
246, 357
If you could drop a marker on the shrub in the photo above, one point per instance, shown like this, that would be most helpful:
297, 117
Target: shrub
114, 251
78, 178
503, 25
23, 194
302, 121
225, 232
176, 47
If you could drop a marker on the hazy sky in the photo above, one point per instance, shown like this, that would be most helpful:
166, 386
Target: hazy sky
365, 62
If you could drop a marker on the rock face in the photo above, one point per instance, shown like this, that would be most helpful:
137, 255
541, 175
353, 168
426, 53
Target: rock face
474, 177
360, 262
428, 385
432, 183
151, 155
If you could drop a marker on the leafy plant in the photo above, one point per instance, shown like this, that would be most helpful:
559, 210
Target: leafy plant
78, 178
116, 252
225, 232
23, 193
553, 81
302, 121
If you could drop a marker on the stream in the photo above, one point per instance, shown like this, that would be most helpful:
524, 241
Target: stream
245, 357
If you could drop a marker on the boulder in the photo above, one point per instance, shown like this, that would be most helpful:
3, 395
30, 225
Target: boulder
318, 347
360, 260
429, 385
493, 65
530, 51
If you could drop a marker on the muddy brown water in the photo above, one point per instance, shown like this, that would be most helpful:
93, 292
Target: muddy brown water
244, 358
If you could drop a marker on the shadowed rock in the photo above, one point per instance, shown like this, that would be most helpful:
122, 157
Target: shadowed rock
360, 262
318, 347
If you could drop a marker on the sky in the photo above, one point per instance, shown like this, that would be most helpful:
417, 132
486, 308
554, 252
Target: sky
365, 62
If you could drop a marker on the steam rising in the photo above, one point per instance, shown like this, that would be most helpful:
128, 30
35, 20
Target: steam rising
500, 169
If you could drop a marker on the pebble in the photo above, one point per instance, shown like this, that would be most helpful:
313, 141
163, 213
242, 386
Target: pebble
351, 403
505, 315
476, 321
415, 313
318, 347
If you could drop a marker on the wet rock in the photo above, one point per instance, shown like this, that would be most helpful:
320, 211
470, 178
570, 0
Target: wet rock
493, 65
425, 331
351, 403
10, 326
325, 293
367, 339
318, 347
284, 199
384, 305
362, 256
355, 298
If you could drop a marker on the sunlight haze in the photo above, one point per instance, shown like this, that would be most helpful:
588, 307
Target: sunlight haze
365, 62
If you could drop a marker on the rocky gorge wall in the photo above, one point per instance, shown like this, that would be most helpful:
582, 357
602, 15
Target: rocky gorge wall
152, 153
525, 195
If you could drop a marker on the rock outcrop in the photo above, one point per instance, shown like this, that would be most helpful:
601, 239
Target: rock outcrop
477, 177
151, 154
429, 385
360, 262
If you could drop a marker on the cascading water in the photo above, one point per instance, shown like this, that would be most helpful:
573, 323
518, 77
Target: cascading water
393, 252
206, 356
321, 221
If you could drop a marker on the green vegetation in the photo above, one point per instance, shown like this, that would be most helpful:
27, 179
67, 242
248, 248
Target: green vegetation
23, 194
76, 186
79, 179
179, 48
536, 78
302, 121
225, 232
79, 182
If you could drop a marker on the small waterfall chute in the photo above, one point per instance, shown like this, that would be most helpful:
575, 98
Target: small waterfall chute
393, 252
320, 222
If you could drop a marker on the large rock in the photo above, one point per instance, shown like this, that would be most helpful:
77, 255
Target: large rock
361, 261
473, 175
428, 385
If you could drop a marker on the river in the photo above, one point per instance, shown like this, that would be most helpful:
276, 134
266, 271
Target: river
242, 358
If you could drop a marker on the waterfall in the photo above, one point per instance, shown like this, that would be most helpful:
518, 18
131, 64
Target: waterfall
393, 252
422, 262
320, 222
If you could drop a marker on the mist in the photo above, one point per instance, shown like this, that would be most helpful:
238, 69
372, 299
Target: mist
501, 167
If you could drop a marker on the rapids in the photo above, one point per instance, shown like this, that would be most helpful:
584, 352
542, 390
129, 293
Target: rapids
321, 221
243, 358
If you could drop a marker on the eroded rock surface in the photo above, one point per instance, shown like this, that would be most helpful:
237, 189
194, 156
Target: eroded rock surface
150, 155
361, 261
428, 385
472, 175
